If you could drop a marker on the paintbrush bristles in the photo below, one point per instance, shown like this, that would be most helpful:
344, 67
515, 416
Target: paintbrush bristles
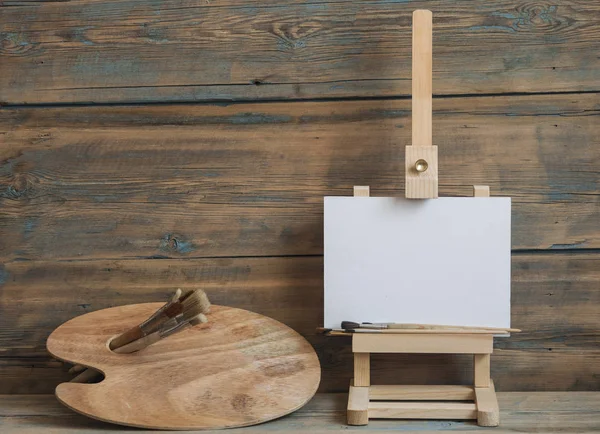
185, 304
179, 304
176, 296
195, 303
198, 319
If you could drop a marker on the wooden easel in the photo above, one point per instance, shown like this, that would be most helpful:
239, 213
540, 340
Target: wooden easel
368, 401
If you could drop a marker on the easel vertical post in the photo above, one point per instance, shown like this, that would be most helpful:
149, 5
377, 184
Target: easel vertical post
361, 191
362, 369
358, 406
358, 397
481, 370
421, 159
481, 191
422, 58
488, 412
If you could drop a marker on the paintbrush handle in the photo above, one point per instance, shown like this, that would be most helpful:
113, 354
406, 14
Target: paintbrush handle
152, 338
151, 325
349, 332
444, 327
76, 369
138, 345
86, 376
429, 331
133, 334
158, 318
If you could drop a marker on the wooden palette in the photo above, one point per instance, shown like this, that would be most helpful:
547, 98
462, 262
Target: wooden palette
239, 369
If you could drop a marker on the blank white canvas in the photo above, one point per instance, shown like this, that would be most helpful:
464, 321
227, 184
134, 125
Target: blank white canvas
439, 261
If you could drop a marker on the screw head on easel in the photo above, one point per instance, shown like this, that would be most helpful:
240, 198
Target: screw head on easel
421, 165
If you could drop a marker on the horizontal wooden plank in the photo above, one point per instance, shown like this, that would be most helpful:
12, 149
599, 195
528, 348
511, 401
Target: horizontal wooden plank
520, 413
167, 50
31, 375
421, 393
555, 301
511, 370
249, 179
422, 343
422, 410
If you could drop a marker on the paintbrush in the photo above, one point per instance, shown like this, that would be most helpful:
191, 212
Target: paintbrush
183, 310
347, 325
172, 308
349, 332
167, 330
181, 302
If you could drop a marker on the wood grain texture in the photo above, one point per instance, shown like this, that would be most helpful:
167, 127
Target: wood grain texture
548, 412
422, 410
249, 179
421, 185
192, 50
362, 370
422, 91
358, 406
481, 191
488, 413
481, 370
239, 369
362, 191
421, 393
555, 301
421, 343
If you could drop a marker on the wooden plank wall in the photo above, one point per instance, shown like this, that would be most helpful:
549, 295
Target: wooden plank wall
149, 145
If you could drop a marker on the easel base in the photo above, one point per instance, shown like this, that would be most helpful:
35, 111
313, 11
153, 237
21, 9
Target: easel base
367, 401
423, 402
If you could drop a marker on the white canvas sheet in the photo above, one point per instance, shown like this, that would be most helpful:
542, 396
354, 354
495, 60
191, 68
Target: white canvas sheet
440, 261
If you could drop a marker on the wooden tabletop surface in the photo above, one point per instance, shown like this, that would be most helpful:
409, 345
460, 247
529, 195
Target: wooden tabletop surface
522, 412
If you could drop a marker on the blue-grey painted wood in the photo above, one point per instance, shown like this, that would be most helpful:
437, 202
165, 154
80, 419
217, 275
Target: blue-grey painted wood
193, 50
555, 301
249, 179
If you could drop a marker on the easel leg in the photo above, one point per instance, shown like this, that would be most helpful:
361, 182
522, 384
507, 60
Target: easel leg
358, 406
362, 369
488, 412
481, 370
358, 398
